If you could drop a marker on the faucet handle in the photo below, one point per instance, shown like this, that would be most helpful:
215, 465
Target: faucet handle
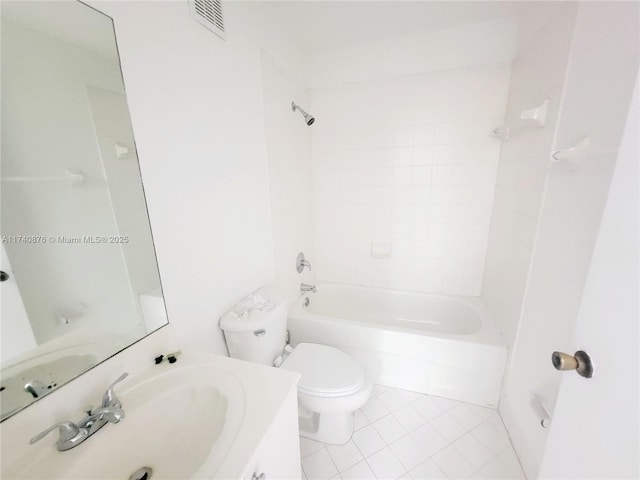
109, 398
301, 262
68, 431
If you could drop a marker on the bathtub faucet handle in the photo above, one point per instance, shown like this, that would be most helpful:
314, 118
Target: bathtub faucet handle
302, 262
307, 288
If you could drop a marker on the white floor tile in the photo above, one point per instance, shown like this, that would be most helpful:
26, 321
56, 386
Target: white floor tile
319, 466
378, 389
496, 470
472, 450
409, 418
408, 452
360, 471
445, 403
465, 416
368, 440
427, 407
385, 465
510, 460
448, 427
409, 395
345, 456
452, 463
374, 409
359, 420
308, 446
392, 400
389, 429
476, 476
484, 412
429, 439
495, 421
463, 441
428, 471
495, 440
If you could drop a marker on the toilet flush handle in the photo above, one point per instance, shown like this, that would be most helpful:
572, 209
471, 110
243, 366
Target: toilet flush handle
259, 333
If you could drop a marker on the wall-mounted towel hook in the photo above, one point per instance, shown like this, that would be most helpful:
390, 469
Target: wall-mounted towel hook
570, 154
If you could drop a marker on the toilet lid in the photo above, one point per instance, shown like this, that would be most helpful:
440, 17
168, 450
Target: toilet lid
325, 371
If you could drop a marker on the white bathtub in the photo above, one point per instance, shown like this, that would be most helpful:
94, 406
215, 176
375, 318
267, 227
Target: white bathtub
435, 344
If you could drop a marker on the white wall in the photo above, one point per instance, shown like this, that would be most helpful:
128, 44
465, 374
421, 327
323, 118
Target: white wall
289, 168
197, 113
536, 74
602, 66
444, 49
409, 162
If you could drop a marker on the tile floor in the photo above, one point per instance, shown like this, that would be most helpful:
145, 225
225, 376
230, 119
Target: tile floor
408, 435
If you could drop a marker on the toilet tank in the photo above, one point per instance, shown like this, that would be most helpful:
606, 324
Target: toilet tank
255, 329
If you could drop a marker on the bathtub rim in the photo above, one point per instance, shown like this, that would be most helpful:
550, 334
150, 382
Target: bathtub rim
488, 334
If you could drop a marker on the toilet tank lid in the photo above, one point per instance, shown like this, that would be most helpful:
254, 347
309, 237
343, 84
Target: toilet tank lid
256, 310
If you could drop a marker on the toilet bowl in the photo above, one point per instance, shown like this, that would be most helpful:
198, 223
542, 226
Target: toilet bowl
332, 384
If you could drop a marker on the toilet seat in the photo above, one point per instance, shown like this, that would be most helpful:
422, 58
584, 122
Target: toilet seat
325, 371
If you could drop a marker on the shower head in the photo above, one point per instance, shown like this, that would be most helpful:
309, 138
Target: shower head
307, 117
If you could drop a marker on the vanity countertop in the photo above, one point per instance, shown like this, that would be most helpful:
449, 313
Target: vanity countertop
266, 392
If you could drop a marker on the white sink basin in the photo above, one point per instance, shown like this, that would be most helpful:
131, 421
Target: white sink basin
181, 420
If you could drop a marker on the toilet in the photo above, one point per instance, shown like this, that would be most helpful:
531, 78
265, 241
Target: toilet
332, 384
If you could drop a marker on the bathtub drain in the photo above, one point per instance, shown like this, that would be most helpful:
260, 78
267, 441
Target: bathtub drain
143, 473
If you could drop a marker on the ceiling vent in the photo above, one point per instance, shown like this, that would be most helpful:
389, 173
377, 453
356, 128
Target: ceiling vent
209, 14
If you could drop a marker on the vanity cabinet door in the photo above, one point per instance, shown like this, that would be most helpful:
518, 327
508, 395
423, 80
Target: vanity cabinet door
279, 457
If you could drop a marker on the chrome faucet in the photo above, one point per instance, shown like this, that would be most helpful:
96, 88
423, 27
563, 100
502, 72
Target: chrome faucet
307, 288
36, 388
72, 434
109, 398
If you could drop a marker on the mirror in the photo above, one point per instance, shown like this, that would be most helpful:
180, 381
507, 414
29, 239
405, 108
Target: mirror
80, 280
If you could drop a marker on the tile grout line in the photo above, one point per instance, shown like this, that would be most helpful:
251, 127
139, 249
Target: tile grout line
430, 457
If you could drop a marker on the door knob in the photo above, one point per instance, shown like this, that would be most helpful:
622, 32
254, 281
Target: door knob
579, 361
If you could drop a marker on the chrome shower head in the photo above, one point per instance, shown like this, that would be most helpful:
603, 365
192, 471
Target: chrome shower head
309, 119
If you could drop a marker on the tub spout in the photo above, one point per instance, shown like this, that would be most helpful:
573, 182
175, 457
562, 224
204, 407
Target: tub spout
307, 288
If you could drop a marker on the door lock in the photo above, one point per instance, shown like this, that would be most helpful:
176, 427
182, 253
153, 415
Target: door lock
579, 361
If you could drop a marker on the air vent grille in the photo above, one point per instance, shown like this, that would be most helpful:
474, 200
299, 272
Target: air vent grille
209, 14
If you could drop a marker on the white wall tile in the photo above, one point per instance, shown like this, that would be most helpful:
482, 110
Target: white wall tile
423, 142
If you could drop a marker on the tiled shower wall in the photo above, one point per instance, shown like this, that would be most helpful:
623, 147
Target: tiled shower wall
408, 162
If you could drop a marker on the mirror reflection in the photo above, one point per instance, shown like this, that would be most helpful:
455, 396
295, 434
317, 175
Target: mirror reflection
80, 280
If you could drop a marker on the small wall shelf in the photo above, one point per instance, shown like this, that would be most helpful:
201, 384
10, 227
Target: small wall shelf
535, 117
73, 178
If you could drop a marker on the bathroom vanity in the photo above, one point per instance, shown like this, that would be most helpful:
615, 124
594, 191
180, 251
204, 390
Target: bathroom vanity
203, 416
